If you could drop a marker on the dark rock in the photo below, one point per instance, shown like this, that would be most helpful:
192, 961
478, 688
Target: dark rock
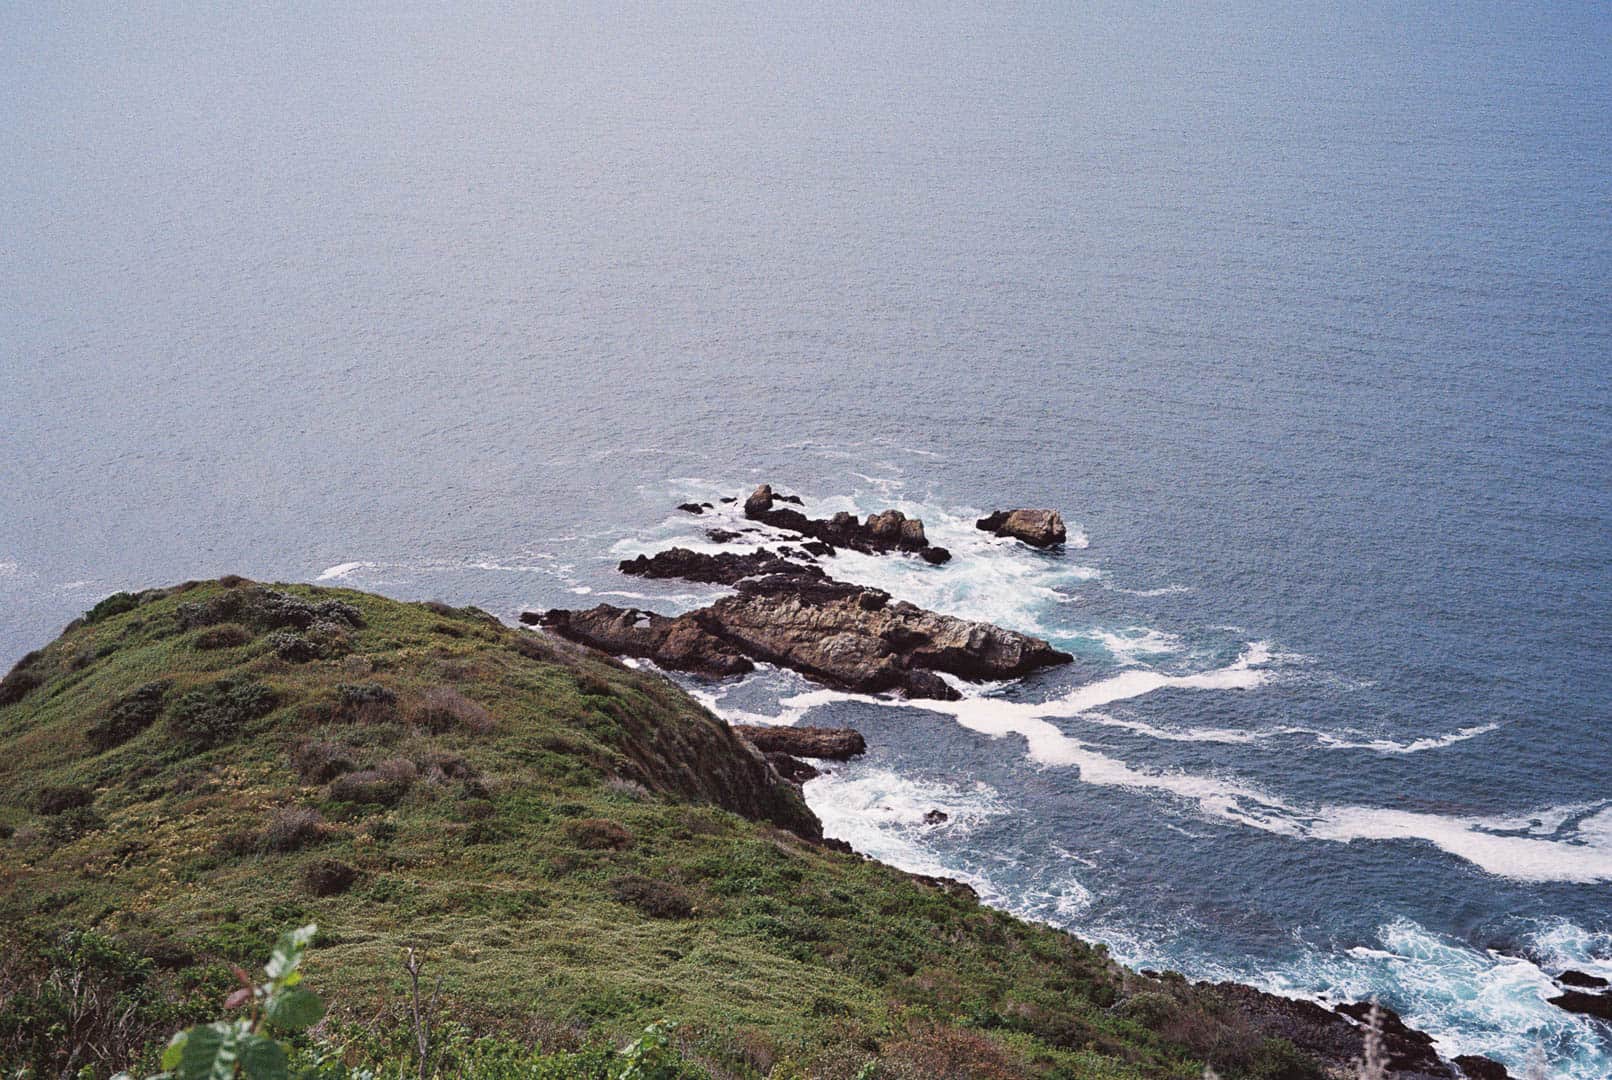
1330, 1035
759, 502
1577, 1001
723, 568
721, 536
935, 555
1409, 1050
796, 499
853, 637
1476, 1067
1582, 980
838, 633
691, 508
680, 643
926, 684
729, 499
792, 769
936, 817
835, 744
887, 531
818, 548
1038, 528
838, 845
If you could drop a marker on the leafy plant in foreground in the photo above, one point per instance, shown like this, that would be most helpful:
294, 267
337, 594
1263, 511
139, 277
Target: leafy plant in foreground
247, 1046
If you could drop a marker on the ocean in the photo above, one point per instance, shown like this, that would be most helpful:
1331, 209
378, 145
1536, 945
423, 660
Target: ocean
1300, 316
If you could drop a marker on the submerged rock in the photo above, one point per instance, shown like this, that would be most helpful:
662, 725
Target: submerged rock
691, 508
835, 744
936, 817
1038, 528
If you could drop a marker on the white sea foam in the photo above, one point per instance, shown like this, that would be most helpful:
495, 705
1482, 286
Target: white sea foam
342, 570
1471, 1001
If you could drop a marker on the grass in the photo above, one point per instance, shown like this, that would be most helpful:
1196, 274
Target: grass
578, 848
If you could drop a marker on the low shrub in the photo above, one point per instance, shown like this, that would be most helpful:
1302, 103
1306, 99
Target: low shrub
215, 714
18, 684
293, 828
383, 785
56, 800
116, 604
442, 709
365, 703
598, 834
69, 825
128, 716
223, 636
319, 762
441, 766
657, 899
328, 877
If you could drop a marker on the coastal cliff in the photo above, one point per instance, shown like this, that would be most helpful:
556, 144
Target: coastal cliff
578, 847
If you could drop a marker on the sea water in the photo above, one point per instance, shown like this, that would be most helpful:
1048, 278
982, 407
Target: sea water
1299, 315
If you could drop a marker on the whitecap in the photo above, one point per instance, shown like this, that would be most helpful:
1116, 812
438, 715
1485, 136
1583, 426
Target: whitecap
342, 570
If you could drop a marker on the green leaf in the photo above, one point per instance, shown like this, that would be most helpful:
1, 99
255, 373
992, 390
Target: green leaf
288, 951
176, 1047
295, 1009
262, 1058
210, 1052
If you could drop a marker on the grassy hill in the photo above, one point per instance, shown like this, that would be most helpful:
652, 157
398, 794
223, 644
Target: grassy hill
577, 848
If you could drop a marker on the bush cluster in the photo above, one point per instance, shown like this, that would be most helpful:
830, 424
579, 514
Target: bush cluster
265, 609
128, 716
215, 714
223, 636
55, 800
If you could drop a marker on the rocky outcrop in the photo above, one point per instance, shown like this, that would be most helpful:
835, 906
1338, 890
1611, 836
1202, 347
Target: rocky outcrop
1583, 980
792, 769
843, 635
723, 568
1587, 1004
835, 744
884, 532
1038, 528
1334, 1036
1475, 1067
1410, 1052
680, 643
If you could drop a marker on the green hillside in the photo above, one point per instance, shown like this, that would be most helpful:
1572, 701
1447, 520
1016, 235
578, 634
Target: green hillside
578, 849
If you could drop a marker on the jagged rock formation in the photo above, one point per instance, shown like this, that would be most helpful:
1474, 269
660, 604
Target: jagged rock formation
1038, 528
884, 532
844, 635
835, 744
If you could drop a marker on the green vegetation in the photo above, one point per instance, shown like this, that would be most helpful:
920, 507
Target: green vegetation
578, 851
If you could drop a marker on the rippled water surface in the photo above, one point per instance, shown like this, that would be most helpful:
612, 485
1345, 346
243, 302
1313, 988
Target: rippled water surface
1302, 315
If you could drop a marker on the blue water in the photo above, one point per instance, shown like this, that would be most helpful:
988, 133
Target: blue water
1301, 314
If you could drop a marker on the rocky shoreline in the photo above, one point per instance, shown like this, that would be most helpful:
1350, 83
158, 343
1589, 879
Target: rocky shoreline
787, 610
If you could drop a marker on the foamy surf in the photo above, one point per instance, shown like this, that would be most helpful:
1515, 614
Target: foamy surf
1472, 1001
